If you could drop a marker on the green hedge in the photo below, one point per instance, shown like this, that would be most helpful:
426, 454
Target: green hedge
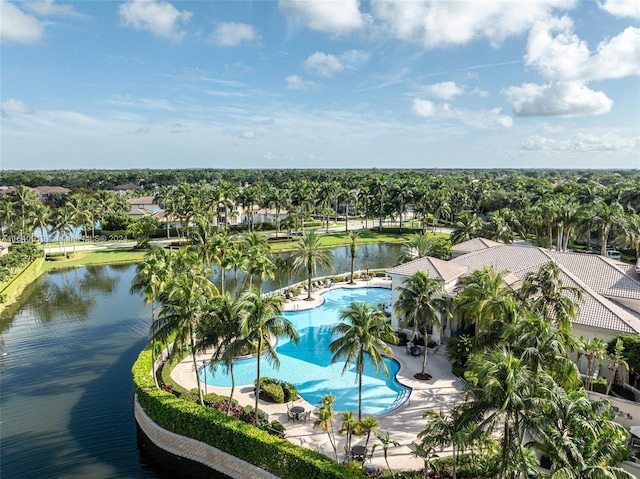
278, 456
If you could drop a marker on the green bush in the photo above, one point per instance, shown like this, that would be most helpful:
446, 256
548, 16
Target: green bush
290, 392
277, 391
600, 385
272, 392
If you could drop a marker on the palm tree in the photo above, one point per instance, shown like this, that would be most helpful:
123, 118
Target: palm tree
444, 429
420, 300
308, 255
353, 249
468, 226
186, 299
363, 331
150, 279
594, 351
261, 322
579, 436
25, 199
62, 225
544, 294
386, 441
544, 347
418, 246
503, 389
617, 359
325, 420
486, 302
221, 329
603, 217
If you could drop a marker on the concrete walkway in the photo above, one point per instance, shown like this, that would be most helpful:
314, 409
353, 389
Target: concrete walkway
403, 424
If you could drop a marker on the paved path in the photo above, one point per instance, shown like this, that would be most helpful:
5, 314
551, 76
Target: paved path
403, 424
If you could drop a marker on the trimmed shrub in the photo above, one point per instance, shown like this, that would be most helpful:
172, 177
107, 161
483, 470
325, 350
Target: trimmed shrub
600, 385
290, 392
272, 392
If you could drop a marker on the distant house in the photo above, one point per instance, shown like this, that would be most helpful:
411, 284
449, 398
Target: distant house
610, 288
45, 192
261, 215
143, 206
7, 190
125, 188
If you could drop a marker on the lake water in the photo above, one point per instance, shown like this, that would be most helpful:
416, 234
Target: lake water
65, 384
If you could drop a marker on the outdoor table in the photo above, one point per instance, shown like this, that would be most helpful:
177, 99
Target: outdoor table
358, 453
297, 411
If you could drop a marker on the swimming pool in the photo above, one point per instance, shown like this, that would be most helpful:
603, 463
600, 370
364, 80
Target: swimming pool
308, 365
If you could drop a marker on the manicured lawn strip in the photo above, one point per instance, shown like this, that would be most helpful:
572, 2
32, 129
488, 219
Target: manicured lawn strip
85, 258
240, 439
13, 289
366, 236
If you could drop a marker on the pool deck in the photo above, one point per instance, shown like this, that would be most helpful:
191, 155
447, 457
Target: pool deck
403, 424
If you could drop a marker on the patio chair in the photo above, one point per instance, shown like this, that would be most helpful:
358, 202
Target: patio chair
291, 416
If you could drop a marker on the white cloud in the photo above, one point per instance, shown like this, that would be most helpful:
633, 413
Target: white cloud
160, 18
619, 57
622, 8
46, 8
354, 59
481, 119
336, 17
480, 92
564, 56
232, 34
294, 82
558, 99
560, 56
17, 26
328, 65
323, 64
248, 135
435, 23
582, 143
445, 90
15, 106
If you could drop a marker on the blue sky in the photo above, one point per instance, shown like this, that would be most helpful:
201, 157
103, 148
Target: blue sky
320, 84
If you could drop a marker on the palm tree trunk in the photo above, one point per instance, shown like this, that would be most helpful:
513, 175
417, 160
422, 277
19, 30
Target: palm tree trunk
233, 387
258, 378
360, 372
309, 273
353, 263
192, 338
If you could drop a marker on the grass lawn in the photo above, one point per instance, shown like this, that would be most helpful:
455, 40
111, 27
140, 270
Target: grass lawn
366, 236
84, 258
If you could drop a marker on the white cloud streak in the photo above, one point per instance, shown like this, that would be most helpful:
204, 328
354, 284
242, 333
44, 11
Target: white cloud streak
481, 119
15, 106
446, 90
232, 34
47, 8
294, 82
582, 143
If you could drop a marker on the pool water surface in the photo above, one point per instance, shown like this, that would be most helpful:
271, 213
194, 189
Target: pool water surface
308, 365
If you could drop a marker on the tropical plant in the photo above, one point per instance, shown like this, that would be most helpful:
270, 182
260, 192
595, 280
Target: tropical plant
545, 294
616, 359
353, 249
186, 299
308, 255
487, 302
262, 321
362, 332
420, 301
326, 418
